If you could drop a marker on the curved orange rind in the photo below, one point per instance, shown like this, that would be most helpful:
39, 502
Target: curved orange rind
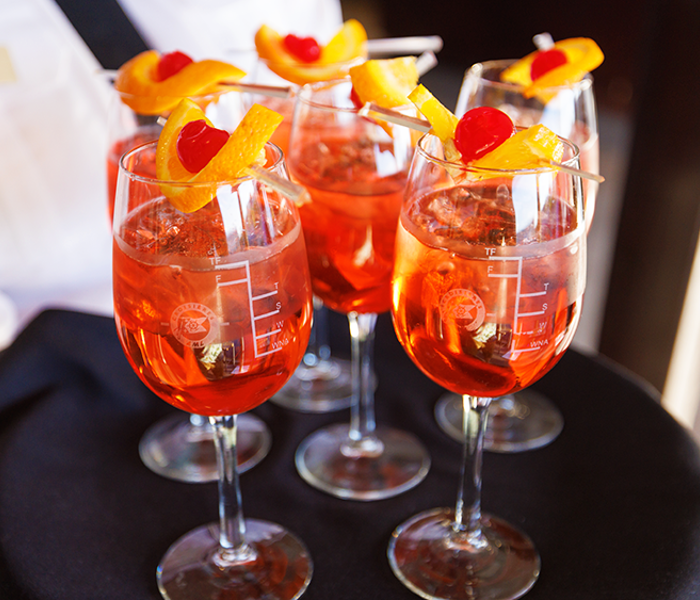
386, 82
140, 91
583, 56
242, 149
442, 121
346, 47
529, 148
349, 43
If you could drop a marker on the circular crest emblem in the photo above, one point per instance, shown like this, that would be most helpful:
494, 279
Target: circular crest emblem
194, 325
464, 305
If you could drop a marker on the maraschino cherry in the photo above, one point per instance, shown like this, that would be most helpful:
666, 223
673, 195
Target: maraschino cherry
171, 63
306, 49
355, 99
481, 130
545, 61
197, 143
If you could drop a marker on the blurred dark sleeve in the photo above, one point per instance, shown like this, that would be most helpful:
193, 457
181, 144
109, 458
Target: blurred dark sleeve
105, 29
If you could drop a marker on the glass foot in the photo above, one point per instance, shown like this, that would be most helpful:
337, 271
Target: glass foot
516, 422
434, 562
395, 461
278, 567
181, 447
323, 387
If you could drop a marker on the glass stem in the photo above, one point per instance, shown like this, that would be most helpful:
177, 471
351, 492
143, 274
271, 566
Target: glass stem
233, 549
318, 348
468, 508
362, 424
323, 345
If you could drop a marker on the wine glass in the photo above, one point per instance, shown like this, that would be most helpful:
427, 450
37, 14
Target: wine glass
266, 73
213, 310
487, 290
323, 382
355, 170
528, 419
181, 446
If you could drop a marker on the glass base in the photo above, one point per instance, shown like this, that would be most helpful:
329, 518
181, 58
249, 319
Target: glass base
323, 387
435, 563
395, 461
516, 422
179, 449
279, 568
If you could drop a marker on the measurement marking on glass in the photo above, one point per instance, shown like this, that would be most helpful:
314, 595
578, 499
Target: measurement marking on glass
252, 299
519, 296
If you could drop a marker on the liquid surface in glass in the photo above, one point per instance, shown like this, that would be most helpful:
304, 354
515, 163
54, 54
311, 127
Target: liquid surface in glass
350, 227
210, 329
487, 296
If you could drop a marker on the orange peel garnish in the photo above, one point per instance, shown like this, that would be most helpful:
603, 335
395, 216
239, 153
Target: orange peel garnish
529, 148
583, 56
346, 47
385, 82
141, 92
442, 121
242, 149
347, 44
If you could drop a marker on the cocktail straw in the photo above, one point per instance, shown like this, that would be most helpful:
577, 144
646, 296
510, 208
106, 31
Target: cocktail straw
572, 171
426, 61
276, 91
394, 117
404, 45
295, 192
424, 126
543, 41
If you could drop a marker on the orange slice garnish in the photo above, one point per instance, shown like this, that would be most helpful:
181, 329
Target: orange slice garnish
442, 121
347, 46
242, 149
583, 56
530, 148
141, 92
386, 82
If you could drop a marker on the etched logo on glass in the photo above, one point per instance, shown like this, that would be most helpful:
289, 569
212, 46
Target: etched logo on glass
464, 305
194, 325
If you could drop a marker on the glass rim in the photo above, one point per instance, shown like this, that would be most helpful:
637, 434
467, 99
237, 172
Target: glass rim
478, 68
309, 88
314, 66
572, 161
279, 159
305, 91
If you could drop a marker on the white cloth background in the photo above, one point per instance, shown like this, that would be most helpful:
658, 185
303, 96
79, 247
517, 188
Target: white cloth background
54, 232
55, 245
